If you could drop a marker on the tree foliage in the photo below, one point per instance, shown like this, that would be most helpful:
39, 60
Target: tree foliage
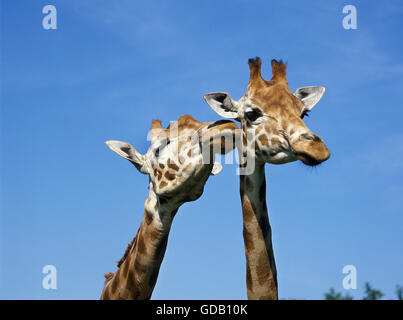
399, 292
333, 295
370, 294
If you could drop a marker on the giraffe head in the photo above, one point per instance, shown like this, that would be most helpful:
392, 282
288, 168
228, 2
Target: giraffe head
181, 157
272, 117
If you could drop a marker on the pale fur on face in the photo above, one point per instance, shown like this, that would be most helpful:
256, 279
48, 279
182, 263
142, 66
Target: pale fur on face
271, 117
176, 161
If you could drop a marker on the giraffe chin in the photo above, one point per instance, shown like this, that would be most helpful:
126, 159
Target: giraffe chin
310, 161
311, 153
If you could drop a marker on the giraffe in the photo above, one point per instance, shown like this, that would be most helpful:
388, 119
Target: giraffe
272, 131
178, 163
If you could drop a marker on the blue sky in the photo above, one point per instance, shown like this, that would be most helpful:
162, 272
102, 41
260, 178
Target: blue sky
112, 67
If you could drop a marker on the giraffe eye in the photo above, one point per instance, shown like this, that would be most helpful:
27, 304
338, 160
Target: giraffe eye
252, 115
162, 146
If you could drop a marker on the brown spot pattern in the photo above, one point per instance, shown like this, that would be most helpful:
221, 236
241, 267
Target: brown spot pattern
248, 240
263, 140
141, 248
247, 209
263, 271
169, 176
148, 217
172, 165
249, 283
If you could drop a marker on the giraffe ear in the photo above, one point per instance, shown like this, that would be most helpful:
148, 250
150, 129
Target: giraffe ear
222, 103
310, 96
125, 150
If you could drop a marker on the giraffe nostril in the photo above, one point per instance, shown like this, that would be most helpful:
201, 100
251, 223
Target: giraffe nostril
310, 136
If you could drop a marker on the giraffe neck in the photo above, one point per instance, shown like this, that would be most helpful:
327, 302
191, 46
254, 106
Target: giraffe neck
261, 274
139, 268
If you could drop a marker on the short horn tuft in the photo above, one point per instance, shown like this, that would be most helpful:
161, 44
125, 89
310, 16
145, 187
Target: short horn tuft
255, 71
278, 70
156, 130
255, 67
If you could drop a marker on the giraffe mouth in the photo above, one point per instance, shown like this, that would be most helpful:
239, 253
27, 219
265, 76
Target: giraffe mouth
218, 123
309, 160
220, 135
318, 152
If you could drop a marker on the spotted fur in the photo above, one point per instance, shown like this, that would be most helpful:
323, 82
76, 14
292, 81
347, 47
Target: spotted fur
272, 131
172, 182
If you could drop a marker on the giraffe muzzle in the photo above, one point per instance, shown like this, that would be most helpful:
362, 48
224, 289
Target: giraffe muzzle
311, 151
